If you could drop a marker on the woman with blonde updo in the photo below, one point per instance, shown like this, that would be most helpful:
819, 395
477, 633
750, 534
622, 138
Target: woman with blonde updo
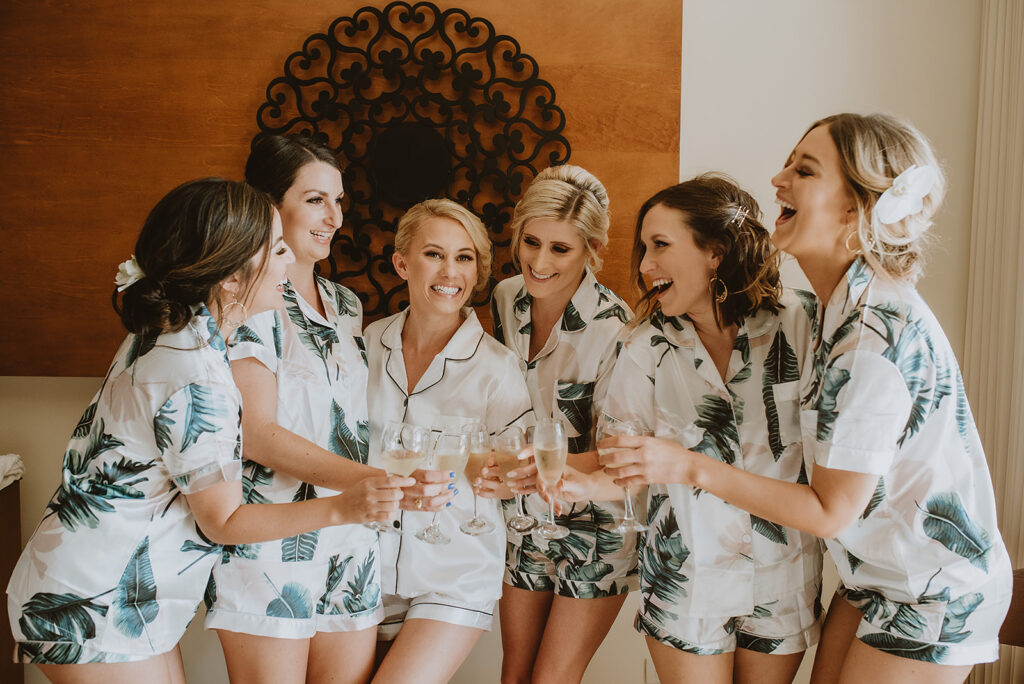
561, 596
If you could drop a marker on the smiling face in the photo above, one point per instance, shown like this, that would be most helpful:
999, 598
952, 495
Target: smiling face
265, 293
675, 266
311, 212
440, 266
552, 255
818, 211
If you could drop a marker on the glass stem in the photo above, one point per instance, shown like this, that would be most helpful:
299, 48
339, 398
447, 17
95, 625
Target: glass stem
628, 500
551, 512
519, 505
474, 504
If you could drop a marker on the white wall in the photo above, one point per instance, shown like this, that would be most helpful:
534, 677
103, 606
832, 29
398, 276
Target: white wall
755, 74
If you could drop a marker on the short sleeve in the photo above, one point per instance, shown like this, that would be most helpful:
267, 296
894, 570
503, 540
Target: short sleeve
198, 434
861, 411
629, 391
259, 338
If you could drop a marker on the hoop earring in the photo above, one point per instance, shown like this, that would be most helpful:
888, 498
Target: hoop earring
234, 322
858, 250
719, 291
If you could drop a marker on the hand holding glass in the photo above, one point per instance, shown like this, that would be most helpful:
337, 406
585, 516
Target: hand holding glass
450, 454
479, 455
550, 449
615, 428
507, 446
403, 449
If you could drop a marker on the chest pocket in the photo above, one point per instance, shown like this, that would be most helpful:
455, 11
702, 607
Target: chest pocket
576, 402
782, 410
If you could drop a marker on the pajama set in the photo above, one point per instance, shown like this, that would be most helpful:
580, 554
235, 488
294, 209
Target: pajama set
473, 379
924, 561
713, 577
325, 580
117, 567
568, 378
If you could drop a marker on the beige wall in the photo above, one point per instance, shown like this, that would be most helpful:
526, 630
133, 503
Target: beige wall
754, 75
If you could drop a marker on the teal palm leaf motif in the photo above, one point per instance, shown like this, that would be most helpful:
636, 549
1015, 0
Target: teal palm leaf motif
742, 345
118, 480
528, 558
342, 441
592, 590
254, 478
658, 322
139, 347
769, 530
522, 302
347, 301
335, 573
499, 332
293, 601
834, 381
203, 413
604, 295
963, 410
205, 549
613, 311
58, 654
907, 621
216, 340
85, 422
278, 342
853, 561
906, 648
135, 604
587, 530
80, 496
576, 403
319, 339
661, 560
301, 547
821, 355
529, 581
947, 522
876, 498
809, 303
872, 603
591, 572
162, 423
363, 591
780, 366
361, 346
60, 617
210, 595
715, 417
757, 644
802, 478
527, 328
246, 334
956, 616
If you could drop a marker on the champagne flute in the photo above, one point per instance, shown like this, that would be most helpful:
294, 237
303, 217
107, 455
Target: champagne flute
507, 446
479, 454
616, 428
451, 451
550, 449
402, 450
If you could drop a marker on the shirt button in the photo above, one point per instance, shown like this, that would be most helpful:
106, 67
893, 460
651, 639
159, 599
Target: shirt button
397, 524
746, 538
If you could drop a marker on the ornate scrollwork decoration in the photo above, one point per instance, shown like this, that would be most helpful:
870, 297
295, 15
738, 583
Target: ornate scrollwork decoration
417, 102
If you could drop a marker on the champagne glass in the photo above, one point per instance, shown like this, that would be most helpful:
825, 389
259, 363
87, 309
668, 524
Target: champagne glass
507, 446
451, 451
403, 449
616, 428
550, 449
479, 454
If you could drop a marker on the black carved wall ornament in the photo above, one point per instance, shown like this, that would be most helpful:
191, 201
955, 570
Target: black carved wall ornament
417, 102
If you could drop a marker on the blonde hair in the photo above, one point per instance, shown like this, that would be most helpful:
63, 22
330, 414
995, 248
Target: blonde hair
445, 208
565, 193
874, 150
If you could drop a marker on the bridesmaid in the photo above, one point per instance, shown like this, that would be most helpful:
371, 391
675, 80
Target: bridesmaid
303, 608
561, 597
151, 485
432, 365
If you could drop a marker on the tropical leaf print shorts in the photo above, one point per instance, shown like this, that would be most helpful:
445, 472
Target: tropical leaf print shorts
949, 628
593, 561
791, 624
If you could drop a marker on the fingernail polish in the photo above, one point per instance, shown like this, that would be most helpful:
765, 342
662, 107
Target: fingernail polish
451, 474
451, 485
456, 491
448, 505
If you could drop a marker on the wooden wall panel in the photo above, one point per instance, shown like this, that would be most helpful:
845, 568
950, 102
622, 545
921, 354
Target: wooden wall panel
107, 105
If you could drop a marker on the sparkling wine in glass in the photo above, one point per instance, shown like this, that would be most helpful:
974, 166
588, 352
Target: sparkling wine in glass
479, 455
403, 450
451, 452
507, 446
615, 428
550, 449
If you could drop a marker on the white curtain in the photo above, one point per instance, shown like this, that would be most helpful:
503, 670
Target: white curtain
994, 351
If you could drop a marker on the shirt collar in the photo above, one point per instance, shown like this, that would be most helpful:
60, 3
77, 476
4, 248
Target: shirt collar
461, 346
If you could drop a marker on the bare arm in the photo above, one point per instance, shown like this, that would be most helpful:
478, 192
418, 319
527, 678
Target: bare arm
826, 507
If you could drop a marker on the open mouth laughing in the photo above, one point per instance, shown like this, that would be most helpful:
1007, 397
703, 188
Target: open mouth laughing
446, 290
788, 212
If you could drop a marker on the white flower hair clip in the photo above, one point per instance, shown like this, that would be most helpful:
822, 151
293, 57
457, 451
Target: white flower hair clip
905, 197
128, 273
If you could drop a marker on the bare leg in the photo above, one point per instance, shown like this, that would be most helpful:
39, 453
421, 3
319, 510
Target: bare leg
426, 651
574, 630
165, 668
679, 666
523, 614
264, 660
752, 667
866, 664
839, 631
342, 657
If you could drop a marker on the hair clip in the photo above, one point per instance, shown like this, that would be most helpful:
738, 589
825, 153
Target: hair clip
740, 216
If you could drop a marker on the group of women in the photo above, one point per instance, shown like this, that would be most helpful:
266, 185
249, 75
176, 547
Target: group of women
233, 453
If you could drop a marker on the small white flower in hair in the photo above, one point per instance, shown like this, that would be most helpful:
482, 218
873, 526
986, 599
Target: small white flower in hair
905, 197
128, 273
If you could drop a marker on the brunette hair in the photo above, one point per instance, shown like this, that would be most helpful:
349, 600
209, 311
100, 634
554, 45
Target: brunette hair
199, 234
565, 193
873, 150
444, 208
726, 220
275, 160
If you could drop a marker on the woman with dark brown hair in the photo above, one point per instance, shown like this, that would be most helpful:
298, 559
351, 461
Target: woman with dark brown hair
712, 365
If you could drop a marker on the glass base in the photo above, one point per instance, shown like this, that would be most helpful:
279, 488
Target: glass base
629, 526
522, 523
476, 526
433, 535
384, 528
552, 531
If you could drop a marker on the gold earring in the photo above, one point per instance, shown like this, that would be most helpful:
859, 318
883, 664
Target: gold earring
234, 322
850, 249
719, 291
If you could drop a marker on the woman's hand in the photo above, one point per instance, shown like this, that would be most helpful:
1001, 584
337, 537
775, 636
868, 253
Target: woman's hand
430, 490
371, 499
490, 485
640, 460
